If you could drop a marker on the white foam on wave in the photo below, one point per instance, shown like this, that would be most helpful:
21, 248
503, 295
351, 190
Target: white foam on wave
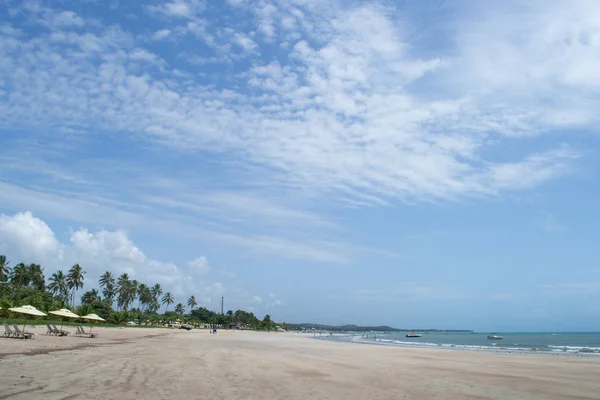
575, 349
493, 347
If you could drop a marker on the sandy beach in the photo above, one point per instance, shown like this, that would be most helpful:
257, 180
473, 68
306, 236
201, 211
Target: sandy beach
135, 363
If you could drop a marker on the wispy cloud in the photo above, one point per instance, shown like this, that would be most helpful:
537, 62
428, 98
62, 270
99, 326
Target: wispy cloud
339, 117
571, 288
551, 225
178, 8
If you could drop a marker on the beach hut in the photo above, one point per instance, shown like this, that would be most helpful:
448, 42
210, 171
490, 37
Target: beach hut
27, 310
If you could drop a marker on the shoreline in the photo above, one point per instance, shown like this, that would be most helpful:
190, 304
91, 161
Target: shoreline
340, 338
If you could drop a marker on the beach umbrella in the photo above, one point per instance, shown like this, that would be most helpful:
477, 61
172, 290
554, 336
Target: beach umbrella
92, 317
63, 312
27, 310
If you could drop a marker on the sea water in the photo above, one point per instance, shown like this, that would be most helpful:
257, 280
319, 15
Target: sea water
585, 343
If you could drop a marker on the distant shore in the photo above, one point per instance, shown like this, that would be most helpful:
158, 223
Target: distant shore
162, 363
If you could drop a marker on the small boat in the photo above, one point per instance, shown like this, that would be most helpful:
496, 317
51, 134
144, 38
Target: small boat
495, 337
413, 334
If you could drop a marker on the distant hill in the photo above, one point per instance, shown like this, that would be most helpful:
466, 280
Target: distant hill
358, 328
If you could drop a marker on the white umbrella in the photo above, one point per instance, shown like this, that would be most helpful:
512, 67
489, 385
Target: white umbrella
63, 312
27, 310
92, 317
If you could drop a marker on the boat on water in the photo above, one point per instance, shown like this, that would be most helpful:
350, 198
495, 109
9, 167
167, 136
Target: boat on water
495, 337
413, 335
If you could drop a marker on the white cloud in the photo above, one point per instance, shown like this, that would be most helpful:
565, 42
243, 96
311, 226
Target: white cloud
161, 34
200, 265
28, 236
179, 8
49, 17
67, 19
534, 67
340, 117
101, 208
245, 42
146, 57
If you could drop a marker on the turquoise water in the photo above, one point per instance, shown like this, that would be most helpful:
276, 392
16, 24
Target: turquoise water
554, 343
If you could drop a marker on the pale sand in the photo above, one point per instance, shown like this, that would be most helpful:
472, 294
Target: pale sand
138, 363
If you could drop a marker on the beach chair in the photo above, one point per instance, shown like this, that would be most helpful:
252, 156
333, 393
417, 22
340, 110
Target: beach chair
80, 331
84, 333
55, 331
60, 332
7, 331
50, 331
22, 334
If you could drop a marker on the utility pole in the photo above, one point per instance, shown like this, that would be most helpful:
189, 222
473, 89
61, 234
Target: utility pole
222, 299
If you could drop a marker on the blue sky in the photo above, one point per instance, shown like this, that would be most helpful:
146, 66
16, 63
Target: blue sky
411, 163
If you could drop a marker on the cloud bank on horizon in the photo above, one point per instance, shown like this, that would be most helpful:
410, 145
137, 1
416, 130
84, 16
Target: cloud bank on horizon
272, 127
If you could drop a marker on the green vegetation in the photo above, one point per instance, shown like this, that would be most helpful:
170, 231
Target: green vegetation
26, 284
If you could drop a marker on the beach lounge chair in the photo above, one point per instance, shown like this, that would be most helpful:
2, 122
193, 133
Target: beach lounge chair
50, 331
55, 331
60, 332
84, 333
7, 331
22, 334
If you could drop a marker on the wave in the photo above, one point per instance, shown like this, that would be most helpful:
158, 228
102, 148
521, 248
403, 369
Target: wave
492, 347
575, 349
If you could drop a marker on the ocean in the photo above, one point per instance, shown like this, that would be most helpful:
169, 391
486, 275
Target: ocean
584, 343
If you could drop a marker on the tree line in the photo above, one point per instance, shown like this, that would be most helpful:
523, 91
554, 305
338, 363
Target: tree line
133, 300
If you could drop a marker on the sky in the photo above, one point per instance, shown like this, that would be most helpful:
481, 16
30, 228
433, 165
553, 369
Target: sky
427, 163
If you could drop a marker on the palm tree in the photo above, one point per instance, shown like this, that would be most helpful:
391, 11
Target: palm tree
179, 309
133, 291
153, 305
107, 283
140, 295
90, 296
20, 275
168, 300
123, 291
192, 302
144, 296
75, 280
156, 292
58, 285
36, 276
4, 269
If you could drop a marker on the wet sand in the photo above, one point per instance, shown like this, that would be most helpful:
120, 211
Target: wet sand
136, 363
